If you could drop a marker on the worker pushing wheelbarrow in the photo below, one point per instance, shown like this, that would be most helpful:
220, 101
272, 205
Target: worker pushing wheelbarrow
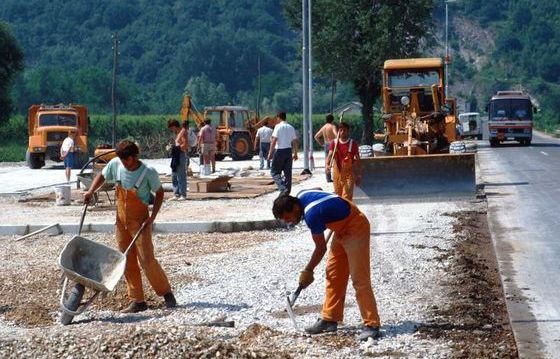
134, 182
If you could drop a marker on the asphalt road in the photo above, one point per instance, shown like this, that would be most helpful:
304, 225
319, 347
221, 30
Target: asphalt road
521, 184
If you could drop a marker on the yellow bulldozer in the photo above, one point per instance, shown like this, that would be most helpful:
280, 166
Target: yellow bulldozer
235, 126
420, 127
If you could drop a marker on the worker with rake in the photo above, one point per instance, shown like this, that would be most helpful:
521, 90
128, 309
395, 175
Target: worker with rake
348, 255
344, 159
134, 181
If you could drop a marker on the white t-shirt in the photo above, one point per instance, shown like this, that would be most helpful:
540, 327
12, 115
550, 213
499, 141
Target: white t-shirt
264, 133
284, 134
67, 145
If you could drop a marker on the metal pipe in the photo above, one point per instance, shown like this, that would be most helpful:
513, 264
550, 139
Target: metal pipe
39, 231
311, 163
305, 70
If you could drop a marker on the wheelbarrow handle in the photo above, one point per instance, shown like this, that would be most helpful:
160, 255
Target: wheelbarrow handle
84, 210
135, 238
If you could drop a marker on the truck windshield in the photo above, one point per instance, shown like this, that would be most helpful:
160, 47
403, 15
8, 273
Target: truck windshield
414, 78
57, 119
512, 109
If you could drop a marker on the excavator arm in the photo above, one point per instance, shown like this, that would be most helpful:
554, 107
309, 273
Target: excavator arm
189, 110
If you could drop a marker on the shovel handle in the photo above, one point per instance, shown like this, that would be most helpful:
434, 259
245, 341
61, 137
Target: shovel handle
135, 238
84, 210
295, 295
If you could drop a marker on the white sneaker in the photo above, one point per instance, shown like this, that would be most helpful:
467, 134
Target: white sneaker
174, 199
182, 199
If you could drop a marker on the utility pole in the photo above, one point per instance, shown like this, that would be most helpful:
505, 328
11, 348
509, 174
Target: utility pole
447, 59
310, 90
114, 85
258, 85
305, 70
332, 92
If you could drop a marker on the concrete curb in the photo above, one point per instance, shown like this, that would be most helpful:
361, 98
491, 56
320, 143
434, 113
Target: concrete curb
159, 227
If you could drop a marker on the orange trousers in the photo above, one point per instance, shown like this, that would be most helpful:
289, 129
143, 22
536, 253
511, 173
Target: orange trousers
349, 257
131, 213
343, 179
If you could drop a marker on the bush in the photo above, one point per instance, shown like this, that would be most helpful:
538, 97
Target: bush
12, 152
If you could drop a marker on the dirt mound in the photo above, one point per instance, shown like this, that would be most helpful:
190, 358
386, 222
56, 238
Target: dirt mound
476, 313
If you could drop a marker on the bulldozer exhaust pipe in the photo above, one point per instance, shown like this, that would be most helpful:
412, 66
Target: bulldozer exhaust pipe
437, 176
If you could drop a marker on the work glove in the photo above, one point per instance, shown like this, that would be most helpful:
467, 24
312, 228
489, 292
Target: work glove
305, 278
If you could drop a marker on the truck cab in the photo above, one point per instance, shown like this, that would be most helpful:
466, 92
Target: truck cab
470, 125
48, 126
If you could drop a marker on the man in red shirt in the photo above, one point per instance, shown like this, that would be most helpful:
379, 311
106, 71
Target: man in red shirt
344, 159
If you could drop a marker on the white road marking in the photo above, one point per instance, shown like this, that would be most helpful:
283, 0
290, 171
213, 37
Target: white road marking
544, 153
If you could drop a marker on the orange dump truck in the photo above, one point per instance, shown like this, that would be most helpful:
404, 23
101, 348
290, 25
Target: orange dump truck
48, 126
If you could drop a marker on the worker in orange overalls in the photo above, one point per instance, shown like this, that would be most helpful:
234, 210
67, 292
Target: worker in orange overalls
134, 181
346, 164
348, 255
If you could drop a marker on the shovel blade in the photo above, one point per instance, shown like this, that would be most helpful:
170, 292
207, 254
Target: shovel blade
291, 312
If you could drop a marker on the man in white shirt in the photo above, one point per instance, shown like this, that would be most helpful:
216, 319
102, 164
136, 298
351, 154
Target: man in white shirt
262, 139
67, 153
283, 143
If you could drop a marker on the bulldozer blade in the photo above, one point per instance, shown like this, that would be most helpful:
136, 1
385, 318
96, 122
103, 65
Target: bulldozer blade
430, 176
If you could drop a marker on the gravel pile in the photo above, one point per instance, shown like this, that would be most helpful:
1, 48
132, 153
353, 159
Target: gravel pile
247, 283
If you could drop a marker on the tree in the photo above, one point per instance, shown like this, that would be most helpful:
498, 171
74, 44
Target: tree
353, 38
206, 93
11, 61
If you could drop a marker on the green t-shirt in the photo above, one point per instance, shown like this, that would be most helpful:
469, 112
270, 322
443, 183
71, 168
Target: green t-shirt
150, 183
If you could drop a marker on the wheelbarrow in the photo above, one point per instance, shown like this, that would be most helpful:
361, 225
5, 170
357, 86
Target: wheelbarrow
86, 178
89, 265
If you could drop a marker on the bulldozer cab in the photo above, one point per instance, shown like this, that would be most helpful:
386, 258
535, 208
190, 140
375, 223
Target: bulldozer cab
418, 118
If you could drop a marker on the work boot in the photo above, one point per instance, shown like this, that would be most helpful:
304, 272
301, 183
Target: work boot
321, 326
135, 307
369, 332
170, 301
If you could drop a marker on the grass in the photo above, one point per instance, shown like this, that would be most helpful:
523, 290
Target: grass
12, 152
150, 131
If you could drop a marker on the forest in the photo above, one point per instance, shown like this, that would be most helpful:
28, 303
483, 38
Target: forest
212, 50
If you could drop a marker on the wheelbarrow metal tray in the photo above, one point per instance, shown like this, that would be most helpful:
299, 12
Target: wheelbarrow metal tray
92, 264
86, 178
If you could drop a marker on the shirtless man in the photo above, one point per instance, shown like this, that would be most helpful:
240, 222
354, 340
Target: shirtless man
324, 137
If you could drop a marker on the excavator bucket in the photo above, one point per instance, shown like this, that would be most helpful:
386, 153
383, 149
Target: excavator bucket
425, 176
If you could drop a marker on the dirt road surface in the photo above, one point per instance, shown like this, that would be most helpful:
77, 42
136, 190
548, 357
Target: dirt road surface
433, 271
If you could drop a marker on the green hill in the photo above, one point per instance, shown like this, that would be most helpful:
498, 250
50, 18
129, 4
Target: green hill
163, 44
211, 48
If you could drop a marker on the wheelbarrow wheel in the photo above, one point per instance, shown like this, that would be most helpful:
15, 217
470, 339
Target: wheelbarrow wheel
72, 303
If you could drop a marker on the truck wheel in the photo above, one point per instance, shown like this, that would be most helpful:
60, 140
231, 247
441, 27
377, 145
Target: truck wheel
240, 146
33, 160
72, 303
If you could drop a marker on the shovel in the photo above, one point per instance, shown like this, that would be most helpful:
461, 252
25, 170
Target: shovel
292, 297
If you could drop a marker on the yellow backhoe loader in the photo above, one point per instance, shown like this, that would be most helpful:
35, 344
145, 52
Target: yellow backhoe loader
420, 125
235, 126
